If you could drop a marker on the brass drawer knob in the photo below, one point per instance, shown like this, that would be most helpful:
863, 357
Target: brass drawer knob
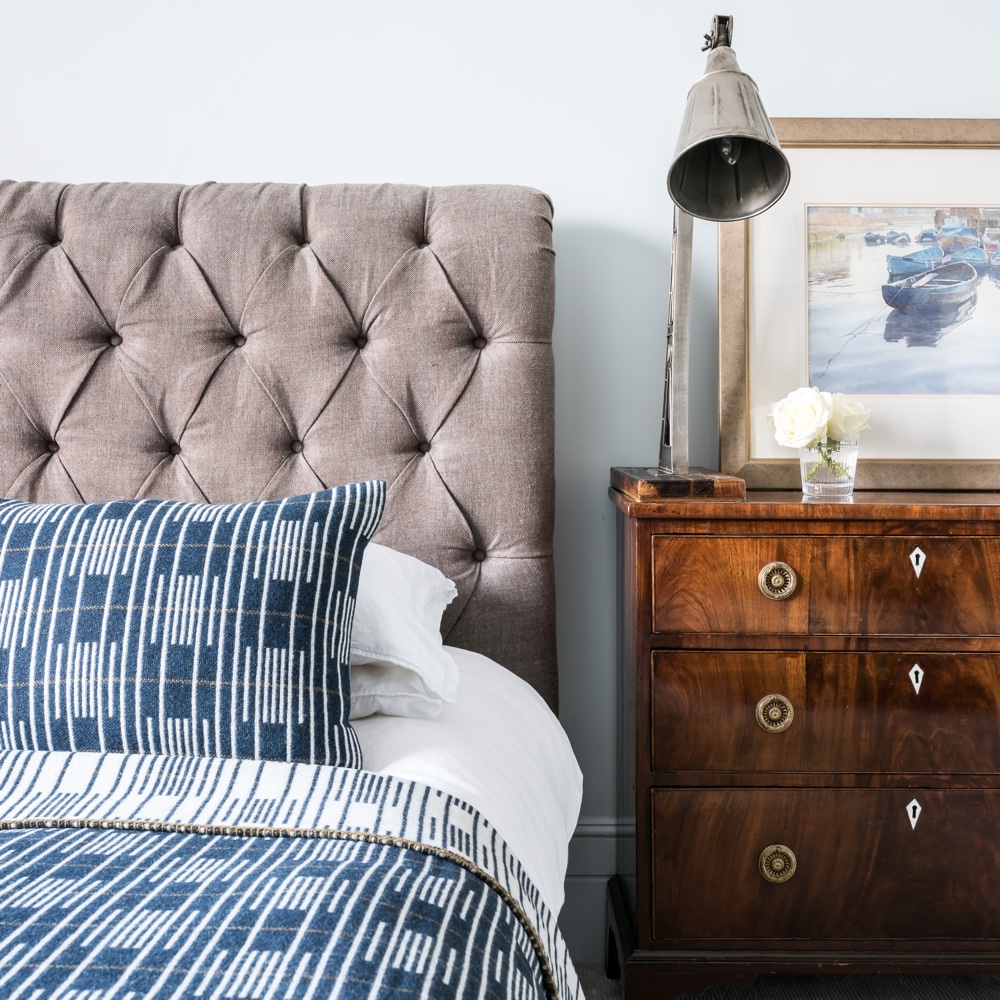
774, 713
777, 863
777, 580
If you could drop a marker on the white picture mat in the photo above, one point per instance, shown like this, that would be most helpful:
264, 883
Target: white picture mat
903, 426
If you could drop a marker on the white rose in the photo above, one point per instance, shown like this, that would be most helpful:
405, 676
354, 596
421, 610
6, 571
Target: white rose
800, 418
846, 417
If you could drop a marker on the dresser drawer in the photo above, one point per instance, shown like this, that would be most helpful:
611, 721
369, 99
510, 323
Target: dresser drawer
863, 869
859, 585
853, 712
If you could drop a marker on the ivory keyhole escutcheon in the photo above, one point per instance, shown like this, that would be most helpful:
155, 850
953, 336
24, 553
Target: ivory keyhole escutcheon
917, 560
913, 811
916, 677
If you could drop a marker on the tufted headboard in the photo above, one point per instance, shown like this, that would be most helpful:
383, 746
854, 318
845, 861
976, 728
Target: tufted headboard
233, 341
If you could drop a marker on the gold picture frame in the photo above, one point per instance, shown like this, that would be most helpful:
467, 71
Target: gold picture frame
736, 456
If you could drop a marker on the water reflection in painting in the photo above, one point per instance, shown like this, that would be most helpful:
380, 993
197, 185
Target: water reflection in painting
904, 300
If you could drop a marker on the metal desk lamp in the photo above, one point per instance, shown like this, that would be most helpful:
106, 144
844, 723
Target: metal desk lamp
728, 166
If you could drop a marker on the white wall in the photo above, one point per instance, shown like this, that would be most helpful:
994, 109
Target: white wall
578, 98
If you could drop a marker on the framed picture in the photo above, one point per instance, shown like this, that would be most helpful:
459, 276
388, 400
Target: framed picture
876, 275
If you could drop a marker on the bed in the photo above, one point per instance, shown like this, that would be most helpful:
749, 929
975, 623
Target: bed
217, 404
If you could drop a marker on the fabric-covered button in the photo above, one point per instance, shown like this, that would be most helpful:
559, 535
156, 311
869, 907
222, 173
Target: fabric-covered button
423, 447
479, 342
175, 449
239, 340
296, 447
479, 555
53, 447
115, 340
361, 341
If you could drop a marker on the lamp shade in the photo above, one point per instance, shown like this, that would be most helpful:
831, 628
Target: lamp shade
728, 164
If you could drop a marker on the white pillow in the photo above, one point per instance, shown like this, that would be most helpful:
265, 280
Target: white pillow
399, 665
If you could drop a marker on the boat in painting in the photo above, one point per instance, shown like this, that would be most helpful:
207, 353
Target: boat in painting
925, 330
955, 243
874, 239
976, 256
914, 263
896, 239
959, 230
991, 240
927, 236
945, 287
994, 271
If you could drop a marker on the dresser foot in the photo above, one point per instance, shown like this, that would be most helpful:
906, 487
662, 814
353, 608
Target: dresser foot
612, 967
619, 935
650, 975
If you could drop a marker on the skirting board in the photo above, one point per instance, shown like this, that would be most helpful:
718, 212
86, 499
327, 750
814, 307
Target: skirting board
593, 855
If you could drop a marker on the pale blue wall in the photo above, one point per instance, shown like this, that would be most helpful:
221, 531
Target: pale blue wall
581, 99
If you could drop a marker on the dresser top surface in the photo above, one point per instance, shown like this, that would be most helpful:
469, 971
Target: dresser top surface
792, 505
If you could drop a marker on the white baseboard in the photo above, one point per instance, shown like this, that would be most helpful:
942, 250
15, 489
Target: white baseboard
593, 855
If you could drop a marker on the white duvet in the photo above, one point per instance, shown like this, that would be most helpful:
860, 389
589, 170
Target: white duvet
499, 747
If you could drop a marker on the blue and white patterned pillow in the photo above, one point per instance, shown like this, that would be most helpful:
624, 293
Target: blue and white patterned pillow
158, 626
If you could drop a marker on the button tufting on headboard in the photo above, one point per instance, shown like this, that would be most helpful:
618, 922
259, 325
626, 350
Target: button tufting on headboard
353, 308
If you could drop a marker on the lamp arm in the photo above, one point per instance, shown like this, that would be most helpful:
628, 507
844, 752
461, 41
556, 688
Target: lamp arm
674, 436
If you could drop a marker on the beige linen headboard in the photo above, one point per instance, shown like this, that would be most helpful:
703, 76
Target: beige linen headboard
233, 341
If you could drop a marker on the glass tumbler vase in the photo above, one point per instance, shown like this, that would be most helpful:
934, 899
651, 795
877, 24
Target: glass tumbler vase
828, 467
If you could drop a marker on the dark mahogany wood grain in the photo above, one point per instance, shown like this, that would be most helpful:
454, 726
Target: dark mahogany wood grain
957, 506
863, 872
709, 584
859, 585
703, 707
853, 712
868, 586
707, 788
829, 643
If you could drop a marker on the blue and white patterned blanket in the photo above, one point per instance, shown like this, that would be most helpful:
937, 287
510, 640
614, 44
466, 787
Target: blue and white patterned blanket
129, 876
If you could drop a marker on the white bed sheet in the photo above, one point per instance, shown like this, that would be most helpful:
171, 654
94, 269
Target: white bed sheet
501, 749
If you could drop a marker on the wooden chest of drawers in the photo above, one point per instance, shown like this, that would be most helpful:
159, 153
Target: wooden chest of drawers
810, 738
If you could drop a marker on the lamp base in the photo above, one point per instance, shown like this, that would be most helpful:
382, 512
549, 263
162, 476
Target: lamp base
697, 484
